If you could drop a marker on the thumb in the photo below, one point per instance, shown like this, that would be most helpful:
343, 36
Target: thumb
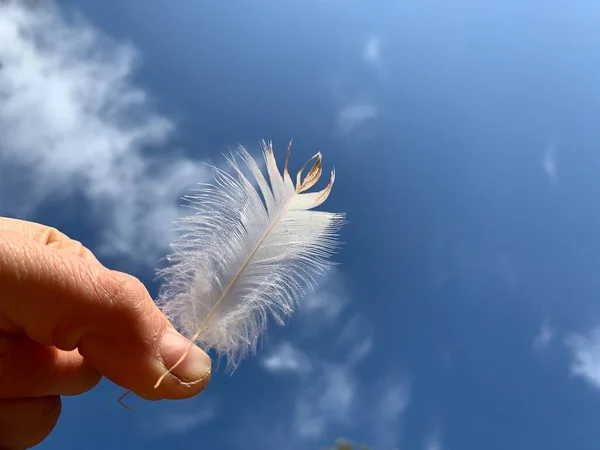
60, 299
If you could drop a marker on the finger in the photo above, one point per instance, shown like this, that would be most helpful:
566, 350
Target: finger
45, 235
30, 369
25, 423
59, 299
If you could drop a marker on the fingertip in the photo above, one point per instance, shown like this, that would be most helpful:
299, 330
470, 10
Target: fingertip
135, 353
187, 368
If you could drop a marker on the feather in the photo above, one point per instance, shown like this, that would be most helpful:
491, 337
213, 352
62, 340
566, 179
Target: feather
252, 247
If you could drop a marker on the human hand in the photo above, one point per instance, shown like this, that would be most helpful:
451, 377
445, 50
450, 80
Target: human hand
66, 321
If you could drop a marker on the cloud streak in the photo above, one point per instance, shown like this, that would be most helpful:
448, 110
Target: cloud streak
372, 50
549, 162
354, 116
286, 358
433, 442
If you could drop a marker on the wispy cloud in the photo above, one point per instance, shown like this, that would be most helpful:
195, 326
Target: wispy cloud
357, 103
333, 398
394, 400
286, 358
433, 441
75, 125
549, 162
328, 400
544, 337
320, 308
586, 356
353, 116
372, 50
177, 418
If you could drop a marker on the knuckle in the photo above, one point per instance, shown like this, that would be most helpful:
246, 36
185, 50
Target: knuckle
123, 289
129, 287
77, 248
51, 236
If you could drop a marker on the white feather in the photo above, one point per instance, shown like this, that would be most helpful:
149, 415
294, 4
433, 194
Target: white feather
248, 252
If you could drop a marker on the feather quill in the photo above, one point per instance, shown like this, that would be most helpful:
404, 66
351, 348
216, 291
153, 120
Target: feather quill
252, 247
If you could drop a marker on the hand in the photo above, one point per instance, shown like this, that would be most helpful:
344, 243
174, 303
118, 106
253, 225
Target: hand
66, 321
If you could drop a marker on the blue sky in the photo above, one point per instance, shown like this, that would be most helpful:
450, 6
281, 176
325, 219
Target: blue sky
465, 313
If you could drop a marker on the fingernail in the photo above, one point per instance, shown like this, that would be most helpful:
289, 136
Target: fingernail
196, 364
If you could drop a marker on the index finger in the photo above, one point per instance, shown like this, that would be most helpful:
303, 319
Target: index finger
59, 299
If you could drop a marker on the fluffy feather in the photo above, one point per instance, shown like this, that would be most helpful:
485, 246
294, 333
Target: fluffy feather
250, 249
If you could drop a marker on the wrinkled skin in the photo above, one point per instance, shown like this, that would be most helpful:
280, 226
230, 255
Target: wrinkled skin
66, 321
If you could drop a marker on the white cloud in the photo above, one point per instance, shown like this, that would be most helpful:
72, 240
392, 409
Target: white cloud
586, 356
325, 302
372, 50
544, 337
358, 107
327, 401
286, 358
360, 352
395, 400
353, 116
328, 300
75, 125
